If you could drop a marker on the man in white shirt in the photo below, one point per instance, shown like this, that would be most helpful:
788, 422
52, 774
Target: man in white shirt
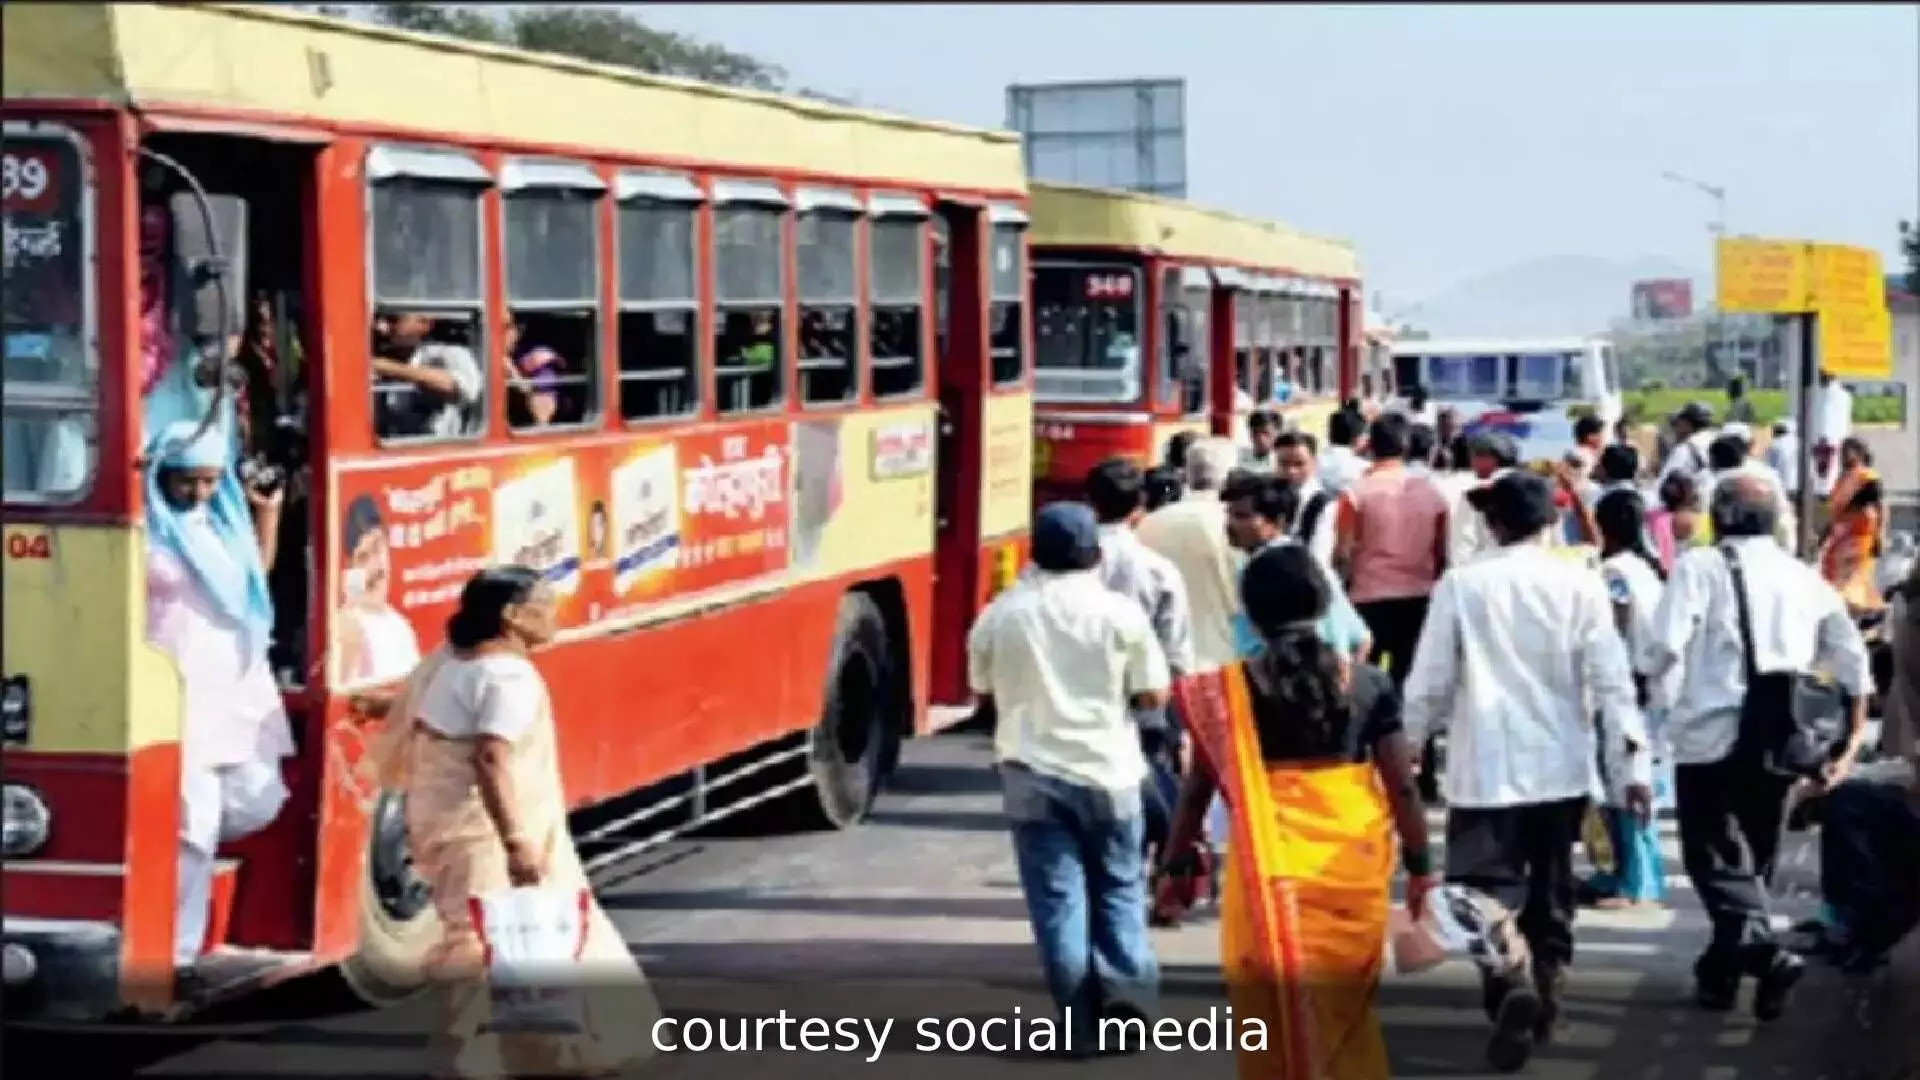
1263, 427
1061, 659
1730, 809
1515, 648
1340, 464
1116, 489
1692, 428
1192, 534
1783, 456
1313, 524
1730, 455
1492, 455
1832, 423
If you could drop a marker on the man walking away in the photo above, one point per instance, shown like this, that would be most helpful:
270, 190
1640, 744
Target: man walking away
1692, 429
1340, 464
1422, 450
1739, 409
1192, 534
1262, 428
1730, 808
1116, 491
1391, 542
1062, 658
1514, 649
1490, 455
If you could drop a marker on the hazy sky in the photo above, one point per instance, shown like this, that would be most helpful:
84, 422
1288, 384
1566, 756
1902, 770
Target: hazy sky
1444, 141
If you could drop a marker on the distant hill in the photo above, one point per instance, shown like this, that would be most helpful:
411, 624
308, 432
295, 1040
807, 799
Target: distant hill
1560, 295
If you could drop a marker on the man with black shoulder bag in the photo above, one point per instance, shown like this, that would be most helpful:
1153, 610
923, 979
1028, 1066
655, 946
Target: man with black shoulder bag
1773, 680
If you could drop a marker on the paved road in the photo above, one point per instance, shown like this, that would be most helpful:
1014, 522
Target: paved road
918, 915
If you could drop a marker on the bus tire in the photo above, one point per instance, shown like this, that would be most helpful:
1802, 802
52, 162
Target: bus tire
398, 923
849, 748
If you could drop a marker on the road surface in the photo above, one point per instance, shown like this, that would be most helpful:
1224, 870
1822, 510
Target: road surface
918, 915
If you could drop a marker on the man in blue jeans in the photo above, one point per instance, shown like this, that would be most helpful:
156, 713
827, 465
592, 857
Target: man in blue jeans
1063, 659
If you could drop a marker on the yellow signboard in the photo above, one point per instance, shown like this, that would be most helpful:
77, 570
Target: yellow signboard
1762, 277
1855, 342
1843, 276
1839, 284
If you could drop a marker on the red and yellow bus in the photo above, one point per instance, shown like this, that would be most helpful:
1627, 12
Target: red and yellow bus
781, 461
1154, 316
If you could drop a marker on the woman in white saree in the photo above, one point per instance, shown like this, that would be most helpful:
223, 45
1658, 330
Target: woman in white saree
472, 744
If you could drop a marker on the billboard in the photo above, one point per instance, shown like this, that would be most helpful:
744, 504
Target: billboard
1662, 298
1130, 135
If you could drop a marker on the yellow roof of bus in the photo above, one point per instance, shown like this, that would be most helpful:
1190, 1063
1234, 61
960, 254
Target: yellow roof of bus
1067, 215
298, 67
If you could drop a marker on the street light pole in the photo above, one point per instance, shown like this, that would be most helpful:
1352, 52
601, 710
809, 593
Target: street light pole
1718, 228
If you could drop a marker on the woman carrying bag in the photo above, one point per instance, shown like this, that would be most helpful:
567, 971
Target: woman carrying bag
1307, 751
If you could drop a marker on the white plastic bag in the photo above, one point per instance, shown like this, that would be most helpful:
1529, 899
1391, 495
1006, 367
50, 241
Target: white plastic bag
534, 938
1458, 923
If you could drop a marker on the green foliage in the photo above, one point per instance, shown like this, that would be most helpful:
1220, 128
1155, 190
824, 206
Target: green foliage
605, 35
1653, 406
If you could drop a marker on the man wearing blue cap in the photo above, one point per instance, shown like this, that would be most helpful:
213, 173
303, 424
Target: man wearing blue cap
1062, 659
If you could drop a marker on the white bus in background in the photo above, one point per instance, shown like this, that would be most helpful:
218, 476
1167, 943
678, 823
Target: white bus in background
1530, 388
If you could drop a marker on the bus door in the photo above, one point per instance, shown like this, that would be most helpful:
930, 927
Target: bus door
960, 342
260, 228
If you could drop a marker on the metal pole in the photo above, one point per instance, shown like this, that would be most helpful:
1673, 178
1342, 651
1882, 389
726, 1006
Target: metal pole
1805, 342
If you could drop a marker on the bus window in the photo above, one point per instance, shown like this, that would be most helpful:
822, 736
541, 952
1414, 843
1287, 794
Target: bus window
427, 253
660, 322
552, 240
749, 257
1545, 376
1087, 329
1006, 296
896, 290
1610, 370
52, 369
1407, 374
829, 296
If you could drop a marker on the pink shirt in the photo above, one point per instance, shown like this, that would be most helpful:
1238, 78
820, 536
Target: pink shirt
233, 712
1397, 523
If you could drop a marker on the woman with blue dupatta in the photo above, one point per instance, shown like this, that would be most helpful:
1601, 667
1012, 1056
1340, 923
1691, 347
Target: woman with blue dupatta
209, 542
1306, 748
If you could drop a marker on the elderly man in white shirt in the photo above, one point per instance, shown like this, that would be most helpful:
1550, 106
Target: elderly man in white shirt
1731, 809
1062, 659
1192, 534
1517, 649
1731, 454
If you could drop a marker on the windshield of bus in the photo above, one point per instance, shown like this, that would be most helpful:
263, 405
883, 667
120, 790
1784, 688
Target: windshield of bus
1086, 329
50, 365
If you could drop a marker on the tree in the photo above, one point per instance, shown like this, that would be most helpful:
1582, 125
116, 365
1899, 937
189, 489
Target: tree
601, 35
1910, 247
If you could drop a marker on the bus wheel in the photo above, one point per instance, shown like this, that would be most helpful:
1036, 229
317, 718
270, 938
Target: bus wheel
848, 750
398, 923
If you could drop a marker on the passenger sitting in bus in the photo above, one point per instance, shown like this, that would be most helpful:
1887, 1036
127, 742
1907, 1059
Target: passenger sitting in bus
533, 375
429, 385
209, 544
760, 350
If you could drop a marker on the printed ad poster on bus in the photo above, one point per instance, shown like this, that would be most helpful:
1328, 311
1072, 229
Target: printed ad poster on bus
624, 530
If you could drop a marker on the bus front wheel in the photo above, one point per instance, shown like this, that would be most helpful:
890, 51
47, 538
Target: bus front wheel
398, 923
848, 751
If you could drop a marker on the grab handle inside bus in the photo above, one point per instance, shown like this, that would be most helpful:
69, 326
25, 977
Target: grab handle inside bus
209, 240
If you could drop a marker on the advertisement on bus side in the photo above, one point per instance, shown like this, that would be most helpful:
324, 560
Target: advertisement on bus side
627, 530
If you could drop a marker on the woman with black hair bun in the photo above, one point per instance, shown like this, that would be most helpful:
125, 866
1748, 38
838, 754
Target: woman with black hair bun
1308, 753
473, 746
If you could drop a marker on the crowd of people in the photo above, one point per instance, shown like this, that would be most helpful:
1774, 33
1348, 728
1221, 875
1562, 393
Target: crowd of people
1251, 654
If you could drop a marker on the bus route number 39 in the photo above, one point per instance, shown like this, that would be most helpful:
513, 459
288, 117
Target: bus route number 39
26, 179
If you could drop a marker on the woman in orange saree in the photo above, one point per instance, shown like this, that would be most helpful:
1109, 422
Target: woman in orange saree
471, 743
1307, 752
1851, 548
